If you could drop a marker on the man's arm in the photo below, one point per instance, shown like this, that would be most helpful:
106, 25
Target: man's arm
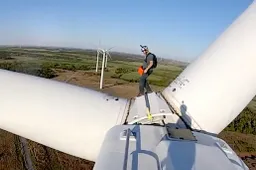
149, 66
150, 58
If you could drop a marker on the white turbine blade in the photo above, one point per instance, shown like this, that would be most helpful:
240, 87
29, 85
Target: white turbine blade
110, 48
97, 61
62, 116
108, 55
101, 51
98, 46
221, 82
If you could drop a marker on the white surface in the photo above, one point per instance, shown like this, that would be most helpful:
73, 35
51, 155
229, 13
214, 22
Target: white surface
158, 109
102, 70
152, 150
222, 81
107, 56
65, 117
97, 60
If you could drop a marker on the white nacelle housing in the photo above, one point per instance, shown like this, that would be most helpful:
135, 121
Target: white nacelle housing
150, 147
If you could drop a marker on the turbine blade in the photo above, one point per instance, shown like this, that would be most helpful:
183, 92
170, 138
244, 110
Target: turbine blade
110, 48
100, 51
99, 43
230, 88
62, 116
108, 54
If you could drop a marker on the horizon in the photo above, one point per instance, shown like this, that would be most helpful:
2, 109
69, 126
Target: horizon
173, 30
84, 49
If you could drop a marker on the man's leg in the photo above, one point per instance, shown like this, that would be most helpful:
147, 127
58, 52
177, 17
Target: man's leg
147, 87
142, 83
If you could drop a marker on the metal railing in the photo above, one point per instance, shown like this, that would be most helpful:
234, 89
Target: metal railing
127, 148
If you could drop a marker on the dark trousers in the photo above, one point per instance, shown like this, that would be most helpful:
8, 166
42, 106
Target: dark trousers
144, 83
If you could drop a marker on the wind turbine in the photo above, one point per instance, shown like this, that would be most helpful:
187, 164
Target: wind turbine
115, 132
99, 51
108, 55
105, 54
97, 59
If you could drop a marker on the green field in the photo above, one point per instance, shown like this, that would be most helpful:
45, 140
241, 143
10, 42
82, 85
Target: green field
43, 63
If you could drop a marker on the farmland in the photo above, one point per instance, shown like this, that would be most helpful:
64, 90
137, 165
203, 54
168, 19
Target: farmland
78, 67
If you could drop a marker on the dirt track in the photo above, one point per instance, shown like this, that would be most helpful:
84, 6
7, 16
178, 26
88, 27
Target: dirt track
10, 152
111, 86
249, 159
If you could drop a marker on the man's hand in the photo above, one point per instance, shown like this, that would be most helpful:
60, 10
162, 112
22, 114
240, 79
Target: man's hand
145, 71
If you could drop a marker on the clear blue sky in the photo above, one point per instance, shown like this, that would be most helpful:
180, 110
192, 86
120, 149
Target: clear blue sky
179, 29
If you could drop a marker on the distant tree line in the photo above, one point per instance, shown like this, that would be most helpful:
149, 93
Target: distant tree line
42, 71
245, 122
69, 66
121, 71
5, 55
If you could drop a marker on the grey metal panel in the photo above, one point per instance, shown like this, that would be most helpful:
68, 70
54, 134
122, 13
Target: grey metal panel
150, 149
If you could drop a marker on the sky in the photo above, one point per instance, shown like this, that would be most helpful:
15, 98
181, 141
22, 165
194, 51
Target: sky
177, 29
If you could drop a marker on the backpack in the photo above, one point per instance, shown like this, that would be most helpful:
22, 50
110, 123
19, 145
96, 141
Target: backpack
154, 60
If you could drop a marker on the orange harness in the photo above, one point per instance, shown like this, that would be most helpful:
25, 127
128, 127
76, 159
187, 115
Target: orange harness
140, 70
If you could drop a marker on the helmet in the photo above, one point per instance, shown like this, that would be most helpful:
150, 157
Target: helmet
144, 48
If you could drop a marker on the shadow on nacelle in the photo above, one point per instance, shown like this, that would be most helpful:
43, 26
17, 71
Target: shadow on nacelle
177, 153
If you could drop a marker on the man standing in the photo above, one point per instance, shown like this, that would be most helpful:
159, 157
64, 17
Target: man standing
149, 63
